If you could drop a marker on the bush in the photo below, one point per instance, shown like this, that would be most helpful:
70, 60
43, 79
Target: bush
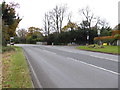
95, 46
7, 49
117, 36
115, 32
109, 40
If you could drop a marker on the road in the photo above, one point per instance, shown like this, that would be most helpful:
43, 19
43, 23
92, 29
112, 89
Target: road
67, 67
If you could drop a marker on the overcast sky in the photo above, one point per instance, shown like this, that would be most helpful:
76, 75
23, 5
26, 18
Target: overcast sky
32, 11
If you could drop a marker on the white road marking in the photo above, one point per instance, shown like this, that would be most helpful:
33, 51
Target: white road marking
64, 49
90, 64
104, 58
49, 52
94, 66
40, 86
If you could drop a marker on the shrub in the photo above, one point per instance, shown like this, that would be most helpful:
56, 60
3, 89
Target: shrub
111, 41
117, 36
95, 46
102, 38
115, 32
7, 49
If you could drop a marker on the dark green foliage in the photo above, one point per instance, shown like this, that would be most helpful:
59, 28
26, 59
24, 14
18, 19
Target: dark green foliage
105, 31
19, 40
118, 26
33, 39
10, 22
108, 41
78, 36
7, 48
74, 36
8, 14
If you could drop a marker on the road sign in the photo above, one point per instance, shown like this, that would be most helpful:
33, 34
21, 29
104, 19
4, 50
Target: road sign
87, 37
98, 31
11, 37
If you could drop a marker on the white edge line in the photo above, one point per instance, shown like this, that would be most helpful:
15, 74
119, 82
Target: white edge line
94, 66
40, 86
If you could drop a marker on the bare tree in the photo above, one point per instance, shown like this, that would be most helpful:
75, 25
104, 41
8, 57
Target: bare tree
22, 33
57, 16
56, 13
69, 17
89, 16
104, 23
62, 15
97, 22
47, 23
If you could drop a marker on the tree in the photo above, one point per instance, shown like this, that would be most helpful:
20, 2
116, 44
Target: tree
22, 33
69, 17
91, 22
118, 26
33, 30
88, 15
70, 26
62, 15
104, 24
34, 34
47, 23
57, 16
10, 21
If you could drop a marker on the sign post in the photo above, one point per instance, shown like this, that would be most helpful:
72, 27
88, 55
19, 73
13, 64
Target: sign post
11, 38
99, 36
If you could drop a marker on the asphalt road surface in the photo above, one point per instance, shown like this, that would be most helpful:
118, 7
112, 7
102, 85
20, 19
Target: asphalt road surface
67, 67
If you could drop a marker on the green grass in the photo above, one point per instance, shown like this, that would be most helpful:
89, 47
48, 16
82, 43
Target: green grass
0, 49
106, 49
15, 70
0, 71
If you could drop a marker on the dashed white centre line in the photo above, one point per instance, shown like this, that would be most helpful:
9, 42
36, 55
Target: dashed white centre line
49, 52
94, 66
104, 58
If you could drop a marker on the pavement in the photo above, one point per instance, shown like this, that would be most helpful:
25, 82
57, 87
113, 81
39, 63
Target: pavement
67, 67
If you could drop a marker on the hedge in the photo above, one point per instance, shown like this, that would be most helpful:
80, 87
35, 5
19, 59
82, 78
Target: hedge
110, 40
115, 32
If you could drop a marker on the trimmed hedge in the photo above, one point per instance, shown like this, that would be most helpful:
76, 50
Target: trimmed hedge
115, 35
102, 38
109, 39
115, 32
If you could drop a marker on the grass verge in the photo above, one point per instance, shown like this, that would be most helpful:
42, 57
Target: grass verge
15, 70
0, 71
106, 49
